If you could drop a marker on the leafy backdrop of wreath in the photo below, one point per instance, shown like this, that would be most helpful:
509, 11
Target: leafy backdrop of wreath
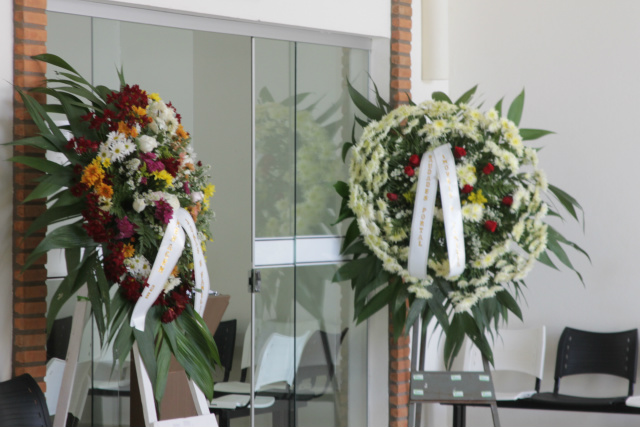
503, 207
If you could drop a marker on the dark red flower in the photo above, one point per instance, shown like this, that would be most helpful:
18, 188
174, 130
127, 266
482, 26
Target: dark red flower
114, 266
131, 288
164, 211
507, 200
409, 171
169, 315
171, 165
490, 225
414, 160
459, 152
392, 196
467, 189
488, 169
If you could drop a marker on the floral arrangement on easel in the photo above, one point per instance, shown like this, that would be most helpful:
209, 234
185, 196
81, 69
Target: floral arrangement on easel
459, 254
129, 170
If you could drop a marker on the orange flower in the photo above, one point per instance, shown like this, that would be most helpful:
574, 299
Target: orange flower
128, 250
129, 131
181, 132
195, 210
104, 190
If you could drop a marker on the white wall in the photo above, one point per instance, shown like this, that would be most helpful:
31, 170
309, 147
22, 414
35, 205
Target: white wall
362, 17
6, 187
578, 62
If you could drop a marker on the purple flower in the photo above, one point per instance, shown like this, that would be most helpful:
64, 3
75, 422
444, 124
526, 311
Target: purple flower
153, 165
125, 228
164, 211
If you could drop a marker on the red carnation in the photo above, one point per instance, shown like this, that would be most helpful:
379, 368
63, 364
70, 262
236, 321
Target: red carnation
467, 189
459, 152
490, 225
392, 196
409, 171
414, 160
488, 169
507, 200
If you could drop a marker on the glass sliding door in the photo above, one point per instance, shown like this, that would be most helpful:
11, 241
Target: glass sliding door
302, 117
270, 117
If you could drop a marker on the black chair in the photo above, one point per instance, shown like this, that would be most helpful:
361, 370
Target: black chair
225, 339
22, 403
584, 352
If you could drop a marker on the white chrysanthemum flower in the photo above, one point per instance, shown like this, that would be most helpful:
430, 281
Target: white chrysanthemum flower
420, 291
138, 266
473, 212
466, 173
118, 150
171, 283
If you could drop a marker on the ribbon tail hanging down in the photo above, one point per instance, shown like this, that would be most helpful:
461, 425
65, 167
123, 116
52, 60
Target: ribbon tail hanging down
422, 219
436, 167
451, 210
199, 263
168, 254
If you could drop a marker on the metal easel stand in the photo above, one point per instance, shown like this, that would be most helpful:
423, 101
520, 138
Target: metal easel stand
418, 352
81, 311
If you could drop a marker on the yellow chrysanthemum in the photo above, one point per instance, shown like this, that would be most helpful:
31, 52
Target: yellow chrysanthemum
139, 111
209, 190
155, 97
128, 250
92, 174
182, 133
477, 197
163, 175
409, 196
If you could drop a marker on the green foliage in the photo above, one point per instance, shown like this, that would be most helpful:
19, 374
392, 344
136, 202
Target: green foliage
376, 288
188, 337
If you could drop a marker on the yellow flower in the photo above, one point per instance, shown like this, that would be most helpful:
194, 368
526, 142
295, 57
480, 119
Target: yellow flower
163, 175
155, 97
182, 133
128, 250
92, 174
209, 190
139, 111
409, 196
477, 197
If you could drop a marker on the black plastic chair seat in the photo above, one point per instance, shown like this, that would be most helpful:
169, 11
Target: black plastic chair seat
577, 401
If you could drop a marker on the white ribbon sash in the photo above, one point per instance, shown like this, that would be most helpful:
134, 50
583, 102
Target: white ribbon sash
436, 166
169, 253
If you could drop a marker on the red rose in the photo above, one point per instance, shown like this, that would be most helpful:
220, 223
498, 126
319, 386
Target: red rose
409, 171
459, 152
414, 160
488, 169
507, 200
490, 225
392, 196
467, 189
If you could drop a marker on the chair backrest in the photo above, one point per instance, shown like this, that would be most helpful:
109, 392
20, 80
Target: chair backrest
277, 361
22, 403
585, 352
225, 339
319, 357
516, 350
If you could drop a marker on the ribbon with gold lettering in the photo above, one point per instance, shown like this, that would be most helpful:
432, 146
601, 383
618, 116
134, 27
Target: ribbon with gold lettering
437, 167
169, 253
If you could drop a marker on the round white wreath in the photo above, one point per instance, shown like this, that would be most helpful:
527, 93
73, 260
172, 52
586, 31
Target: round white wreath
501, 192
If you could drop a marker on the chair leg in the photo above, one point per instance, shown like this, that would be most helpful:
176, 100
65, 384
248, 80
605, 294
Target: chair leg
459, 415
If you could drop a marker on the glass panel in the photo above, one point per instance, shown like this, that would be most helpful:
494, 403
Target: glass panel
331, 381
324, 121
274, 138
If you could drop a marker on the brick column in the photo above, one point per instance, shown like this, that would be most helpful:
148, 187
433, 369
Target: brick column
399, 351
29, 321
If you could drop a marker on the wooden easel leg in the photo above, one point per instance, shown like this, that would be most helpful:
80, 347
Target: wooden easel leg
80, 314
